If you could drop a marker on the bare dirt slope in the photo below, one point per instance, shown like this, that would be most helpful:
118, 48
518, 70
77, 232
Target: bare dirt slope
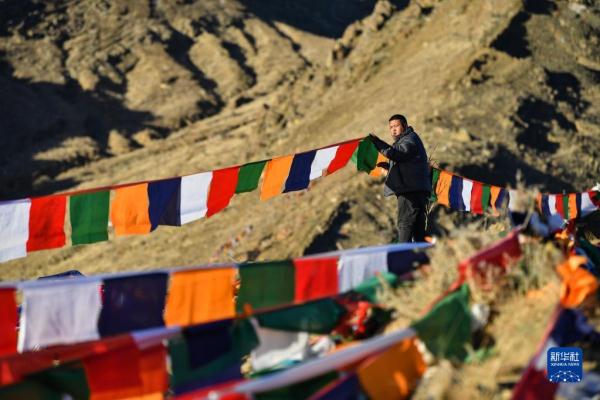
97, 92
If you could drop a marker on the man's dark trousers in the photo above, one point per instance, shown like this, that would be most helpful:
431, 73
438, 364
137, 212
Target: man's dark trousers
411, 216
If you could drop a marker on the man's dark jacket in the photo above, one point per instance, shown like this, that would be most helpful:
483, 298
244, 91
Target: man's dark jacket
409, 167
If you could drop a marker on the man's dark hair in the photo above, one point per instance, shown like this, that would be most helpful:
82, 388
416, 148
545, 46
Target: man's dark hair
400, 118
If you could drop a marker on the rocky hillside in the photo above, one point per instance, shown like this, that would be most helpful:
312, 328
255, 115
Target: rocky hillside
97, 92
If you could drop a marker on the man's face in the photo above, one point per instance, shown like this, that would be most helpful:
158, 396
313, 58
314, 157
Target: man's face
396, 128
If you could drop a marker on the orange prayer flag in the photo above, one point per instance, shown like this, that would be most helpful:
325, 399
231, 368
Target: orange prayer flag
394, 373
129, 210
378, 171
276, 173
494, 193
572, 206
577, 282
200, 296
442, 189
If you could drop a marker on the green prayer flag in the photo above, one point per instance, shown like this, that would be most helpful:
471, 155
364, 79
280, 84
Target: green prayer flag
565, 200
65, 379
244, 340
266, 284
319, 316
89, 217
301, 390
366, 156
249, 176
369, 287
447, 327
485, 197
435, 175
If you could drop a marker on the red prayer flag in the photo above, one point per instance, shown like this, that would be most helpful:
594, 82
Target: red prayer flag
46, 223
8, 322
127, 372
559, 205
476, 193
222, 189
315, 278
342, 156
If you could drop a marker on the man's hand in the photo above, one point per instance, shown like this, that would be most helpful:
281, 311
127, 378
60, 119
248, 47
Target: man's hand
384, 165
379, 144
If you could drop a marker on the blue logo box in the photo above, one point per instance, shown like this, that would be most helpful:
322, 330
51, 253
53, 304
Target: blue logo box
565, 364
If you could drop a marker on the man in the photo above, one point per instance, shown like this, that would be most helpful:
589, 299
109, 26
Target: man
407, 178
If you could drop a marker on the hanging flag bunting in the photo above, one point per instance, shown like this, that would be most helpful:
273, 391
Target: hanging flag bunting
544, 205
322, 161
133, 303
342, 156
393, 374
447, 327
129, 210
59, 314
8, 321
552, 204
354, 269
46, 223
319, 317
222, 189
88, 214
194, 196
249, 176
560, 206
14, 229
200, 296
266, 284
455, 194
164, 198
315, 278
574, 205
300, 170
276, 174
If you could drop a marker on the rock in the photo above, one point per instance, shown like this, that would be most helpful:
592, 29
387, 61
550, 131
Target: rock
118, 143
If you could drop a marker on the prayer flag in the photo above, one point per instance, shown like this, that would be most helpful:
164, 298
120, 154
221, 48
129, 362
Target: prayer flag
455, 194
199, 296
560, 206
315, 278
466, 194
357, 268
366, 156
278, 347
46, 223
435, 176
587, 203
249, 176
165, 198
194, 196
319, 317
276, 174
577, 283
299, 176
129, 210
574, 205
447, 327
266, 284
222, 189
133, 303
342, 156
393, 374
322, 161
8, 321
443, 188
88, 213
14, 229
59, 314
